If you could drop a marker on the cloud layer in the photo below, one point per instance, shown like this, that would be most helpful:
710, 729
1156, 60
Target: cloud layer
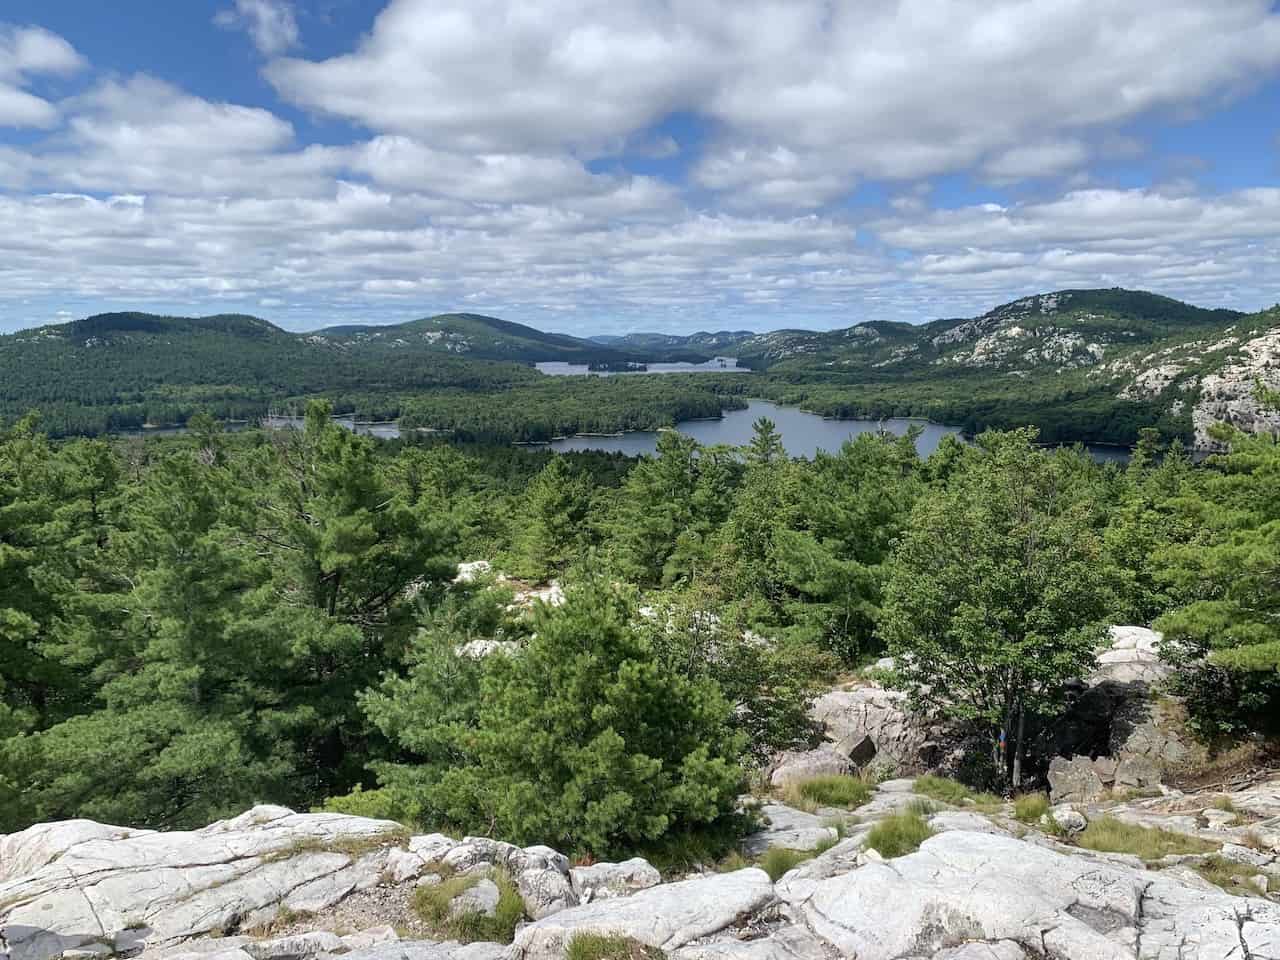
646, 163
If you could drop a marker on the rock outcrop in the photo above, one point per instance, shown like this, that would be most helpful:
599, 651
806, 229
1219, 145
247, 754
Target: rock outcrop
869, 723
982, 887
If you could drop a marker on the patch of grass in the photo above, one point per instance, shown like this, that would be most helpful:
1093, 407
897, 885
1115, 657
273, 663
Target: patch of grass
432, 905
734, 860
353, 847
778, 860
827, 790
1030, 807
1109, 835
1235, 878
596, 946
1253, 840
954, 793
1223, 803
899, 834
922, 807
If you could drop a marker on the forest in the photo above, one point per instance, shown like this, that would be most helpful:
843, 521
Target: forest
193, 624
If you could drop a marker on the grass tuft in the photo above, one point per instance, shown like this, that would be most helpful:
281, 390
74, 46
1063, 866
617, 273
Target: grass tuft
1235, 878
829, 790
954, 793
1109, 835
1030, 807
596, 946
432, 905
778, 860
1223, 802
899, 834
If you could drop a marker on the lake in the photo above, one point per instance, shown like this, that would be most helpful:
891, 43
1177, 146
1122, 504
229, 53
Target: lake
803, 434
560, 368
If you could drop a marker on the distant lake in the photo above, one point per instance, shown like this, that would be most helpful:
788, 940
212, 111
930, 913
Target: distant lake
803, 434
561, 368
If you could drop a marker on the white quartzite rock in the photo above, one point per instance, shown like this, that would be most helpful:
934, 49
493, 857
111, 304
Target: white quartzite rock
851, 718
1132, 656
797, 765
603, 881
125, 889
667, 916
790, 828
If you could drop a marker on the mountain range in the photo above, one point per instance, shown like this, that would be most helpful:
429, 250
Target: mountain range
1082, 364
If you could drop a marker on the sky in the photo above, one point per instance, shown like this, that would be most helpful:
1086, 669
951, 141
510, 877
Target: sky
663, 165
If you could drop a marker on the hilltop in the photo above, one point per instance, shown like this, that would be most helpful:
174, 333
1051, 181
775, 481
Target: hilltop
1094, 365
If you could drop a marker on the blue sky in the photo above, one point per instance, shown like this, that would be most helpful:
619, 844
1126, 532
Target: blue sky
646, 164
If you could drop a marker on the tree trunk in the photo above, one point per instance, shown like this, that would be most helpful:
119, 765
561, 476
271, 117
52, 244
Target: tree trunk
1017, 747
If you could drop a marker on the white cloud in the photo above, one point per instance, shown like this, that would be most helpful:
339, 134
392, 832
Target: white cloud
26, 52
271, 24
1045, 159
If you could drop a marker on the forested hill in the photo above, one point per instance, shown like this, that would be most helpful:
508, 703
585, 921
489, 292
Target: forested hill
488, 338
1095, 365
123, 370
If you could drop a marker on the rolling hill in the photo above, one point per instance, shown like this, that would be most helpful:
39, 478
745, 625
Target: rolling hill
1093, 365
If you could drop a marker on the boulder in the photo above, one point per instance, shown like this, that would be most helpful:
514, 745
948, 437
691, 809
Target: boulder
796, 765
871, 717
545, 890
604, 881
668, 916
74, 885
1074, 781
1067, 819
789, 828
480, 898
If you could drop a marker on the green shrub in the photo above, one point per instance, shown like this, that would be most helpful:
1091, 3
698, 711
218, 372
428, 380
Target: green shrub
899, 834
587, 742
380, 804
596, 946
954, 793
1030, 807
432, 905
1107, 834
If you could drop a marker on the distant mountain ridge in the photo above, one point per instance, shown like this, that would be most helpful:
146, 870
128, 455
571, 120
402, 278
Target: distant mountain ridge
1087, 364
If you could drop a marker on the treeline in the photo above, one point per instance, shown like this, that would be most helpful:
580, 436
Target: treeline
191, 625
563, 406
122, 375
1066, 409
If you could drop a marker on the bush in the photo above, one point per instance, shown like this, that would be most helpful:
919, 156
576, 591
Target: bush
828, 790
1030, 807
432, 904
953, 792
596, 946
378, 804
586, 742
1109, 835
899, 834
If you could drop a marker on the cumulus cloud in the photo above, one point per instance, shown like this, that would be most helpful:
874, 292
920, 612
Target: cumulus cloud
271, 24
587, 166
25, 53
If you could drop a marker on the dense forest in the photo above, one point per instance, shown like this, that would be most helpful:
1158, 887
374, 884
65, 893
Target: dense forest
193, 624
1075, 364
